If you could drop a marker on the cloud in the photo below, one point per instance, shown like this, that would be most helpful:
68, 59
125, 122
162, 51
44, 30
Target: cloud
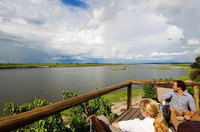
193, 41
167, 6
197, 51
154, 54
102, 31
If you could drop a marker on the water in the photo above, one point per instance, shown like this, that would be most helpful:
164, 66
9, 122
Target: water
23, 85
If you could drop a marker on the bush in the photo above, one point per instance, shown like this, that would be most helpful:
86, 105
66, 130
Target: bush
77, 121
190, 88
78, 114
149, 91
102, 106
51, 123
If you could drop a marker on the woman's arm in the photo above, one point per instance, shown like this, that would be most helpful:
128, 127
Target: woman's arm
116, 124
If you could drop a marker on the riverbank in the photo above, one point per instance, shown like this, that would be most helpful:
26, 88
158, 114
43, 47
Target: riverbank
10, 66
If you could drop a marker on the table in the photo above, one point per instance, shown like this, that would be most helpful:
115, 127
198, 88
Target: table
189, 126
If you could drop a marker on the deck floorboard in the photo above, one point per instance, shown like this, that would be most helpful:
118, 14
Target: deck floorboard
130, 114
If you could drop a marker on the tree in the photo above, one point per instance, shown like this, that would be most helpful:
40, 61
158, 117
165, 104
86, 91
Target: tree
197, 59
195, 73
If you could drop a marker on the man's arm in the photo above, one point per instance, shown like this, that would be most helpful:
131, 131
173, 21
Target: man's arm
192, 106
167, 96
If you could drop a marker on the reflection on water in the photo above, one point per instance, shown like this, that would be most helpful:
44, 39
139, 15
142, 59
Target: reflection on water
23, 85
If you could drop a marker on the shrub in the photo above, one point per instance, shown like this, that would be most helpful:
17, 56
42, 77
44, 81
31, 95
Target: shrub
51, 123
190, 88
149, 91
102, 106
78, 114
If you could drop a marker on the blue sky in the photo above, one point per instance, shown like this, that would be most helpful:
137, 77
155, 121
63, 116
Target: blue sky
75, 3
99, 31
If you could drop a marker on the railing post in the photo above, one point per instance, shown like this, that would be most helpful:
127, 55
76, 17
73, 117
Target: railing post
196, 96
129, 97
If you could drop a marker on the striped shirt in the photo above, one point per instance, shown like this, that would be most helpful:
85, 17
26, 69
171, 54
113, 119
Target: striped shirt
180, 103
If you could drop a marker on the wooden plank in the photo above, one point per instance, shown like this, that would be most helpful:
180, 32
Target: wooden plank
130, 114
136, 115
141, 117
121, 116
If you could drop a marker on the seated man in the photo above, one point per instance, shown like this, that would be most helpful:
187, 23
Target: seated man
181, 101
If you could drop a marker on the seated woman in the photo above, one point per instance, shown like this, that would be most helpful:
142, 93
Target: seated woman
153, 122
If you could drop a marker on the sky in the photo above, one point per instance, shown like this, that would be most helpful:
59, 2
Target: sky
99, 31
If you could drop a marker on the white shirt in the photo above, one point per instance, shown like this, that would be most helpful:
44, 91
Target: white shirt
137, 125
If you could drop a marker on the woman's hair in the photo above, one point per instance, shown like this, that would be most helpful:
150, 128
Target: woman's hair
152, 108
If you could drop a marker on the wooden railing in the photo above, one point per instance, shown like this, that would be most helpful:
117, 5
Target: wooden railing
22, 119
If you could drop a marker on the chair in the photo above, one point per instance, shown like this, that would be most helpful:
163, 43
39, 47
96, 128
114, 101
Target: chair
97, 124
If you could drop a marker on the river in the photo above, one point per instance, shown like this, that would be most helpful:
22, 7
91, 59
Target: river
23, 85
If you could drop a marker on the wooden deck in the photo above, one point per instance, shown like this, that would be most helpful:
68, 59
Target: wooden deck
130, 114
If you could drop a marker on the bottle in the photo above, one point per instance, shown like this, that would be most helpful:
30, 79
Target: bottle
165, 110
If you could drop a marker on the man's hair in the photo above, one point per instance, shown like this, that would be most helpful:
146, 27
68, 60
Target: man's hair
181, 84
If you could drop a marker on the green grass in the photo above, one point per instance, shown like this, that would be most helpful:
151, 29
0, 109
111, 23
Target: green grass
184, 78
187, 70
159, 68
181, 65
122, 96
7, 66
119, 69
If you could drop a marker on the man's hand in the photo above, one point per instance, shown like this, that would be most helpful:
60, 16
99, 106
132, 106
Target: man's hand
187, 117
189, 114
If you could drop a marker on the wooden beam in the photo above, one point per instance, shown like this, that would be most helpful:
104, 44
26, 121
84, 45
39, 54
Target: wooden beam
161, 82
196, 96
129, 97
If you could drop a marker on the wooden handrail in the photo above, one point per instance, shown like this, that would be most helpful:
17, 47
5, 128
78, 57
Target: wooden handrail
22, 119
161, 82
25, 118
